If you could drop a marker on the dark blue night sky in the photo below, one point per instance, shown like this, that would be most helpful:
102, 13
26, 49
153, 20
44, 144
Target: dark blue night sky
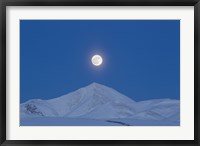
141, 57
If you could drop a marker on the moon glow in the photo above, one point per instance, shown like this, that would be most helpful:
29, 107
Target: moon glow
97, 60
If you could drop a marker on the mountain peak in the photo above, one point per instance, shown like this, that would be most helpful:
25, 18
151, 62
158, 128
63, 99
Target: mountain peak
95, 87
94, 84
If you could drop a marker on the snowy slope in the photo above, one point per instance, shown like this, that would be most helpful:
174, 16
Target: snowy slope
97, 101
158, 109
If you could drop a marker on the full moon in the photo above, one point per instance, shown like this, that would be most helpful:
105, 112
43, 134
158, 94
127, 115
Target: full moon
97, 60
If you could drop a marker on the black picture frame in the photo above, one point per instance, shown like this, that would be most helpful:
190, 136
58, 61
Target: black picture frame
5, 3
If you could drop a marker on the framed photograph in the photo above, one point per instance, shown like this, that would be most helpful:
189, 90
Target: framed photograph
99, 72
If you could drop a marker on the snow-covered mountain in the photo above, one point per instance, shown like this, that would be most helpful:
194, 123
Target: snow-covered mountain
97, 101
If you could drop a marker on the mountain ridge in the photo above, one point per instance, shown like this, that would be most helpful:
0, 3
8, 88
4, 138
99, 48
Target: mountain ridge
97, 101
